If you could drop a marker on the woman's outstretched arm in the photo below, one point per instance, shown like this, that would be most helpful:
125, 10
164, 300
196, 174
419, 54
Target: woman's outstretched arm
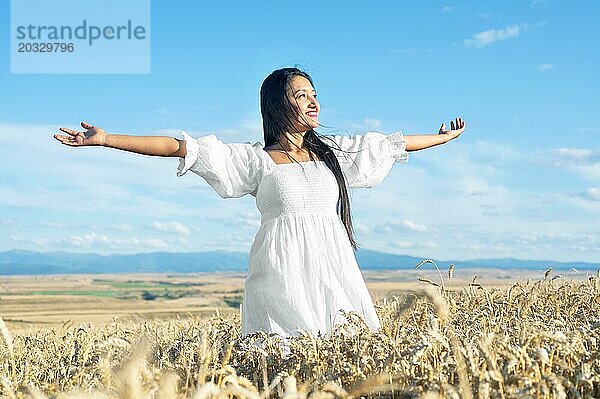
161, 146
416, 142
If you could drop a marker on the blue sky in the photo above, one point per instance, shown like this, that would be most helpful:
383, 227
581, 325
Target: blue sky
522, 181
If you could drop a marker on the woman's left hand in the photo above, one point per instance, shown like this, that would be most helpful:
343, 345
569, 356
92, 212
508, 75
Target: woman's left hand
456, 128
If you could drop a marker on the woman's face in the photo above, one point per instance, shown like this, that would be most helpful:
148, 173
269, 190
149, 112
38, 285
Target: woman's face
304, 99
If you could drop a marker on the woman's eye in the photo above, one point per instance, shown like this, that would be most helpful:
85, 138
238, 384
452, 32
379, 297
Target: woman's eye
302, 95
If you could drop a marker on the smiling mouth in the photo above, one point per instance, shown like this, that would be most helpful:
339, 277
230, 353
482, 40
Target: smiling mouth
312, 114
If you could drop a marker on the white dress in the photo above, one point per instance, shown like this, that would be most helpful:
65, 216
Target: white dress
302, 268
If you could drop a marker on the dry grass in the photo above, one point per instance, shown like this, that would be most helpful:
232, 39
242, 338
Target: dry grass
536, 339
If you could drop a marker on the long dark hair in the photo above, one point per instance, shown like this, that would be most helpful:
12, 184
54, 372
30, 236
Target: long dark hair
278, 116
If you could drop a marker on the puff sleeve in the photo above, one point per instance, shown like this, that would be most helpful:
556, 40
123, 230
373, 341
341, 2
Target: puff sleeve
232, 170
366, 159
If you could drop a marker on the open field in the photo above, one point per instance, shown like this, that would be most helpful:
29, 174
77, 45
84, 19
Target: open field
500, 335
49, 301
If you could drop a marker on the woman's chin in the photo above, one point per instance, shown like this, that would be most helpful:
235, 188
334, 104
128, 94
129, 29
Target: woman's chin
308, 125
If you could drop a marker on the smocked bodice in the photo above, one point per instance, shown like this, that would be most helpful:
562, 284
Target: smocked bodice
307, 187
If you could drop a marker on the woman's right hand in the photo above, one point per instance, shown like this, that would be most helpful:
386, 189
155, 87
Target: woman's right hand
456, 128
92, 136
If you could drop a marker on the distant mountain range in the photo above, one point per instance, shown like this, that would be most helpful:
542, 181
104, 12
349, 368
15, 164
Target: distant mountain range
19, 262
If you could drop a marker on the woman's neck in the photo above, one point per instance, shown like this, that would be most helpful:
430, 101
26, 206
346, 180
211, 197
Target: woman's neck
296, 141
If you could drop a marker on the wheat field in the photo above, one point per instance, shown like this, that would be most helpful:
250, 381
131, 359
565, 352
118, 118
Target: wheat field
532, 339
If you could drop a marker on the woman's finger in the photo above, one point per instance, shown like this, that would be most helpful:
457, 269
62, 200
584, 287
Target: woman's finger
86, 125
64, 140
60, 137
69, 131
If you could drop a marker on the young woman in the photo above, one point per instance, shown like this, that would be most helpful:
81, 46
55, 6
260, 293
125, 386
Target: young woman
302, 268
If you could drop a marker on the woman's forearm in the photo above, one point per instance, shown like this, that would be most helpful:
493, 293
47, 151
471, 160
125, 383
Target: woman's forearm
162, 146
415, 142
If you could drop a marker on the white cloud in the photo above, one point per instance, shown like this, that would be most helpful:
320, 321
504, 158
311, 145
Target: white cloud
248, 219
486, 153
538, 3
589, 129
173, 132
592, 194
545, 67
404, 245
590, 171
402, 50
367, 124
37, 242
413, 226
486, 15
55, 225
474, 187
547, 239
248, 130
171, 227
409, 50
490, 36
90, 226
121, 227
583, 161
252, 127
360, 227
35, 198
98, 243
90, 239
372, 123
400, 225
576, 154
